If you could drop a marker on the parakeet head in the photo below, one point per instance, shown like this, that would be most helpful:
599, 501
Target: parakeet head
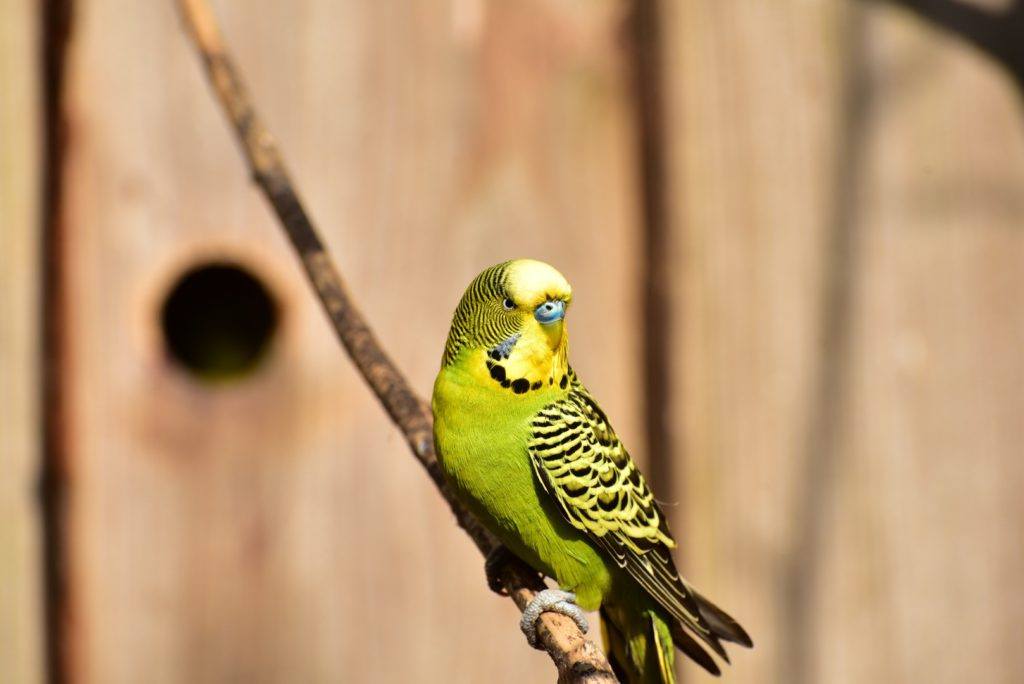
510, 322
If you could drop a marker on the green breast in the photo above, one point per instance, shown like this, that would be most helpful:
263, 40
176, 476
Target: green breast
481, 434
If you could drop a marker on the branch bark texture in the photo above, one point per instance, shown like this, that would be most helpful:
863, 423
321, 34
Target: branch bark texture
576, 657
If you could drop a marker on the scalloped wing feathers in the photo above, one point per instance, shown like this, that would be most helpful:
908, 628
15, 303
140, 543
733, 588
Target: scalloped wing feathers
581, 463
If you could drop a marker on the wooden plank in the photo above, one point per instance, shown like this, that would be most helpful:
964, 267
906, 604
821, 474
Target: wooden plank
21, 598
924, 552
754, 96
851, 326
275, 529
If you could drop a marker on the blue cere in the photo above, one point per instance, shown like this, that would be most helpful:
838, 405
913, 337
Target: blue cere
550, 312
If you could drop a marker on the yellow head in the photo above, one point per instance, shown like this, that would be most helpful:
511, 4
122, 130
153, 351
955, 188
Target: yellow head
511, 323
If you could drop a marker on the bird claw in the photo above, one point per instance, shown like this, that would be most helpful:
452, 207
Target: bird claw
495, 559
555, 601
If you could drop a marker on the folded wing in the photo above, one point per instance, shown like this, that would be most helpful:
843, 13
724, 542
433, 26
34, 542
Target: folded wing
583, 466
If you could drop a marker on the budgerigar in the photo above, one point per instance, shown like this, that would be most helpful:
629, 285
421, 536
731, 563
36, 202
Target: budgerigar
531, 453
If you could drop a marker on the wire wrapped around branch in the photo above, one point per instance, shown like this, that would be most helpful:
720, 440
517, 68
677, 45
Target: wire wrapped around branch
577, 658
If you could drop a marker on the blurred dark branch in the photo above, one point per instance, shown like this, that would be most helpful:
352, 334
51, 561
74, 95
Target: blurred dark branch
829, 396
665, 458
997, 33
577, 658
56, 22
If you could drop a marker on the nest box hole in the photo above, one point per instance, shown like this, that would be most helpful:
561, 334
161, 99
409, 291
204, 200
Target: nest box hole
218, 321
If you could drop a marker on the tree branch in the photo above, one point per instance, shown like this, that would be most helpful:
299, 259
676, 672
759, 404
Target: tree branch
996, 33
577, 659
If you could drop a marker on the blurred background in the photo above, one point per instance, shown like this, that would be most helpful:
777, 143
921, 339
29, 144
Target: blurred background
795, 229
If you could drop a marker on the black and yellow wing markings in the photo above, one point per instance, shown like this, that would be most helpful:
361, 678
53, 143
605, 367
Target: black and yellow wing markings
582, 465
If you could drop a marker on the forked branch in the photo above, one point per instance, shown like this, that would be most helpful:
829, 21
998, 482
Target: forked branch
577, 658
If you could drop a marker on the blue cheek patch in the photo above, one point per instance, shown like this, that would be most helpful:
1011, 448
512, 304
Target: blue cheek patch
550, 312
503, 350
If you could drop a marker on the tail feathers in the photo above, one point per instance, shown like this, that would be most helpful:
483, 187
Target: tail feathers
708, 637
722, 627
639, 646
661, 643
721, 623
640, 641
688, 645
614, 645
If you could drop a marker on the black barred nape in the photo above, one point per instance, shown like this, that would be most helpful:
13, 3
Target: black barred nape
480, 319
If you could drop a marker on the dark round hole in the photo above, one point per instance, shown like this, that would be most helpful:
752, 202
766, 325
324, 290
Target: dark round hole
218, 321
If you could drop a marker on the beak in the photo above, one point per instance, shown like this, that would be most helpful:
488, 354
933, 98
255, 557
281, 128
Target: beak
550, 312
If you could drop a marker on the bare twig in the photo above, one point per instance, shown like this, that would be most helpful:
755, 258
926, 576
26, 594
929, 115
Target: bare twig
577, 659
995, 32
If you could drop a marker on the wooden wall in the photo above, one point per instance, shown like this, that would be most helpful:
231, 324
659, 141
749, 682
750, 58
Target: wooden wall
275, 528
844, 271
850, 329
21, 579
756, 99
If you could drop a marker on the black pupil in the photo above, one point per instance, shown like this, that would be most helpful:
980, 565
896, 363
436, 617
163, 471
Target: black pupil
509, 304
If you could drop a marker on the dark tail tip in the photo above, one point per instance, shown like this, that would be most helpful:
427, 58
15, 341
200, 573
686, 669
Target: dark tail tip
688, 645
721, 623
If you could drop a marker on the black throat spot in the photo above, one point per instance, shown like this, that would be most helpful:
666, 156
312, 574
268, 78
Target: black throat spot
498, 373
519, 385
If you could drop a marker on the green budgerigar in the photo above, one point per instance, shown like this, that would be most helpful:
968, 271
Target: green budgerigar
528, 449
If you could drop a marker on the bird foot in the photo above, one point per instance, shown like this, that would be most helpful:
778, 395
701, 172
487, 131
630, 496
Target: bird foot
554, 601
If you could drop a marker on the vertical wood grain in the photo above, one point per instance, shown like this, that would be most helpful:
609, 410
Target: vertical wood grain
849, 373
275, 529
926, 523
754, 100
21, 597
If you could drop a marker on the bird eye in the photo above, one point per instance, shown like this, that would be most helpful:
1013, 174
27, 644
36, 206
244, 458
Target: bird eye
508, 304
